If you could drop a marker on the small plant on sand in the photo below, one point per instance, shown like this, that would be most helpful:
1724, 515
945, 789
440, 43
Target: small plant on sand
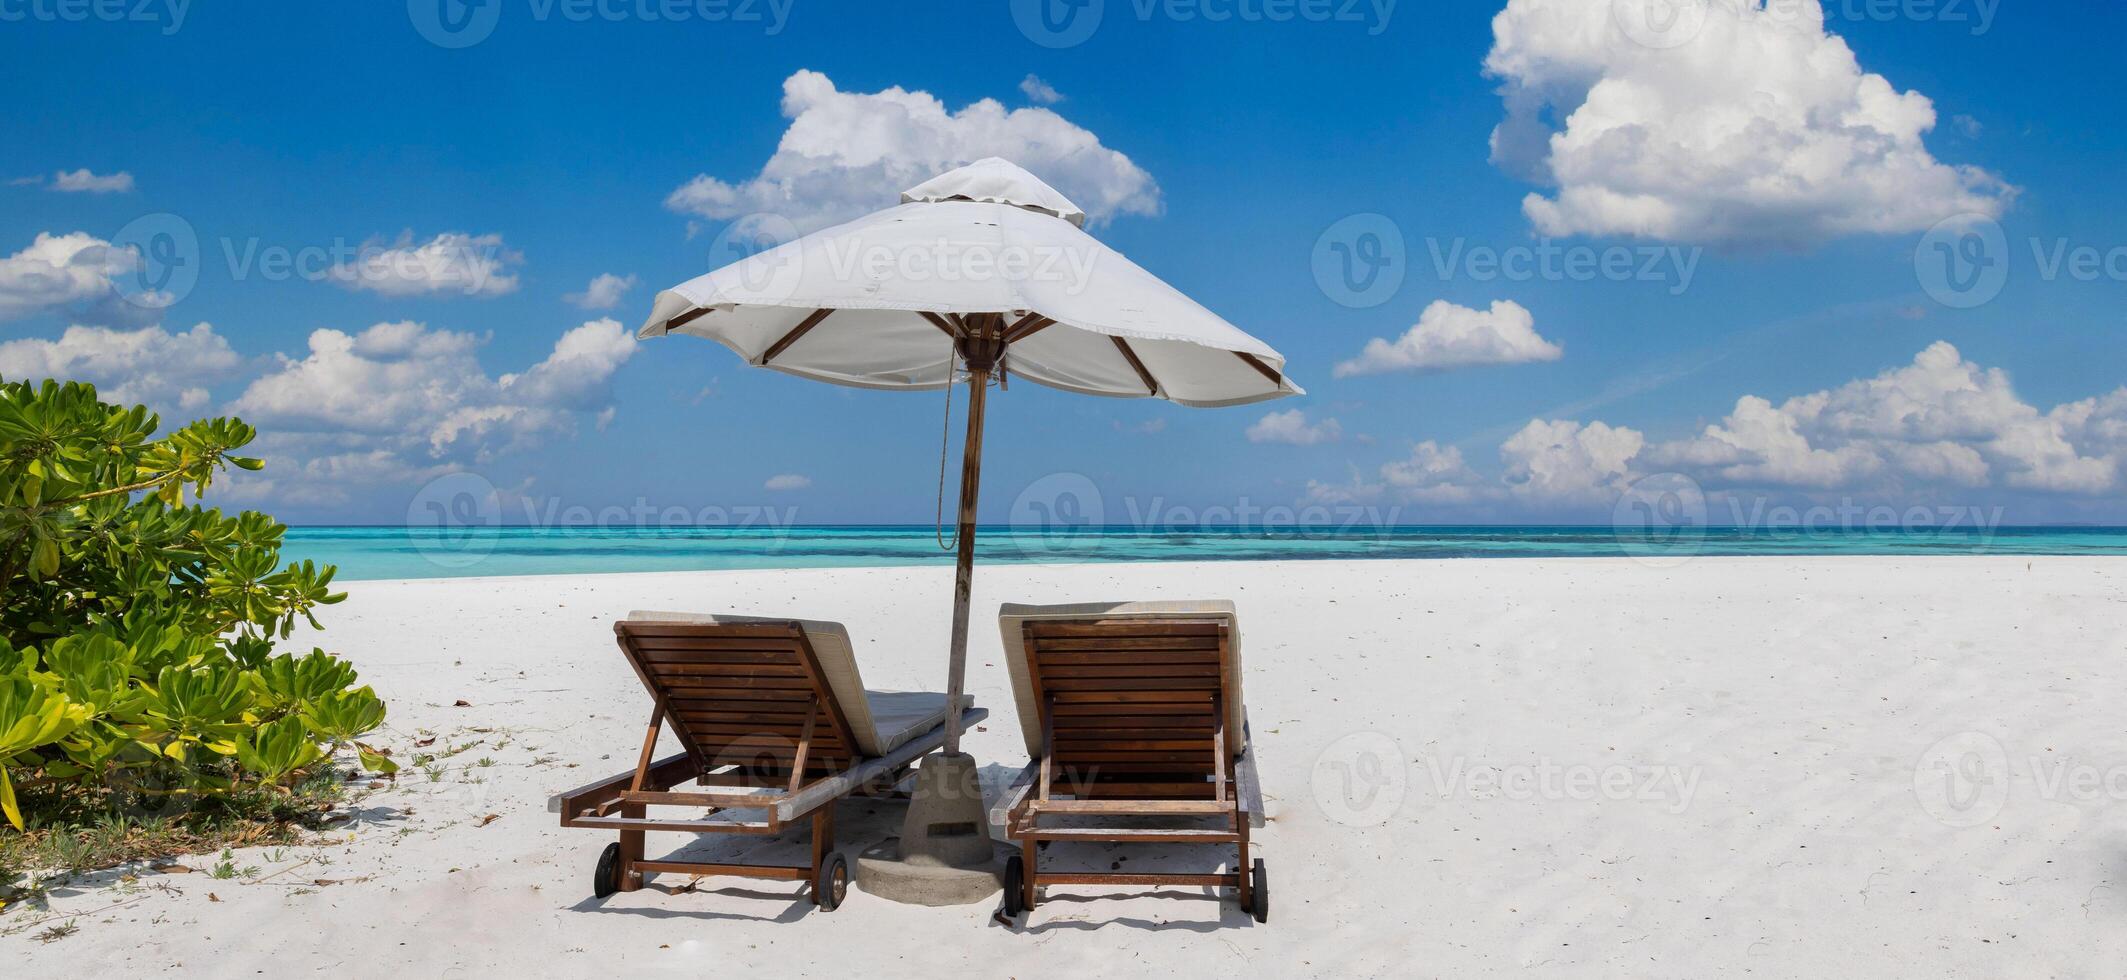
138, 676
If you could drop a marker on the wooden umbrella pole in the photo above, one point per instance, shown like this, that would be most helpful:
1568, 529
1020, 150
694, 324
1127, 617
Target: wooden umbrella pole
980, 350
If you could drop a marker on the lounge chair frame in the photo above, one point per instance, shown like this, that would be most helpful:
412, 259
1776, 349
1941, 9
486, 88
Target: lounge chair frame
757, 720
1143, 705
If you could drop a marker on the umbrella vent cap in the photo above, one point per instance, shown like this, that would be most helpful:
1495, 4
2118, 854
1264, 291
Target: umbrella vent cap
996, 180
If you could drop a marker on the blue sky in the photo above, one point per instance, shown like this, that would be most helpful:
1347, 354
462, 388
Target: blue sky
554, 143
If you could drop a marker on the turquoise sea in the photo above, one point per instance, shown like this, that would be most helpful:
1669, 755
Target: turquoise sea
433, 552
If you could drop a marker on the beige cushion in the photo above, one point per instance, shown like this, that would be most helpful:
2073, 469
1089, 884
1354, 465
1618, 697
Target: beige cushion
881, 721
1012, 618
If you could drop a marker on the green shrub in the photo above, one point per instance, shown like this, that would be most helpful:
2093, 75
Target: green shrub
136, 630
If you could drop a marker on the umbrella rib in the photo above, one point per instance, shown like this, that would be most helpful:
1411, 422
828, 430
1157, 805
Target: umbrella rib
1265, 369
685, 318
939, 322
1026, 326
792, 337
1151, 387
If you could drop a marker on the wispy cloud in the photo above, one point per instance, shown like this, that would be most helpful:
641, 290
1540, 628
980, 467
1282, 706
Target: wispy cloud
84, 182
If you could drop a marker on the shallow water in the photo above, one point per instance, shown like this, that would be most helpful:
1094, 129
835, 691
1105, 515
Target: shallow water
433, 552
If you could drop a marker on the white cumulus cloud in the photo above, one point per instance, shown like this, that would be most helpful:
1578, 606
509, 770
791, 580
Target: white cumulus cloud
1038, 91
1939, 427
1292, 428
603, 292
401, 401
787, 481
1720, 121
452, 263
1562, 461
56, 272
1448, 336
1939, 420
84, 182
171, 373
849, 153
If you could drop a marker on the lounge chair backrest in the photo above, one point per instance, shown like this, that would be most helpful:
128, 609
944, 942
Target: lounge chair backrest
739, 689
1135, 672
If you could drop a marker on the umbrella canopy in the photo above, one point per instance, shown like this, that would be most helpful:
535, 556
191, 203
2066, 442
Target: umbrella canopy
980, 273
880, 302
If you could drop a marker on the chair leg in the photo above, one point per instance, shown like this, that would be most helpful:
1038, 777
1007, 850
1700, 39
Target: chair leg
1030, 855
823, 837
631, 849
1242, 873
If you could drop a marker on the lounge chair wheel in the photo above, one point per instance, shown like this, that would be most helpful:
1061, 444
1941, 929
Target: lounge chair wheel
1015, 883
833, 885
1260, 886
606, 879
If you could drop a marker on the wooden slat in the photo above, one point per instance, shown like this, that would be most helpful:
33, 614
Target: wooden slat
1121, 668
685, 318
763, 668
939, 322
1088, 726
1099, 707
648, 628
1192, 735
1161, 808
1027, 326
732, 658
1204, 647
1176, 685
1151, 387
699, 678
1068, 748
702, 689
1183, 760
1264, 369
804, 326
1126, 790
722, 711
1134, 878
1098, 771
1067, 629
1133, 835
748, 647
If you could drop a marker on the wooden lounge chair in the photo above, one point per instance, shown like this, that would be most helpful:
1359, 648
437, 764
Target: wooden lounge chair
1130, 710
772, 715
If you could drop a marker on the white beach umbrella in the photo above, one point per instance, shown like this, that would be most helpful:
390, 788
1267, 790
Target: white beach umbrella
981, 274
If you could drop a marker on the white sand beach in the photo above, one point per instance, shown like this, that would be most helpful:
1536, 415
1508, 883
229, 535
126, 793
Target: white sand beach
1562, 767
